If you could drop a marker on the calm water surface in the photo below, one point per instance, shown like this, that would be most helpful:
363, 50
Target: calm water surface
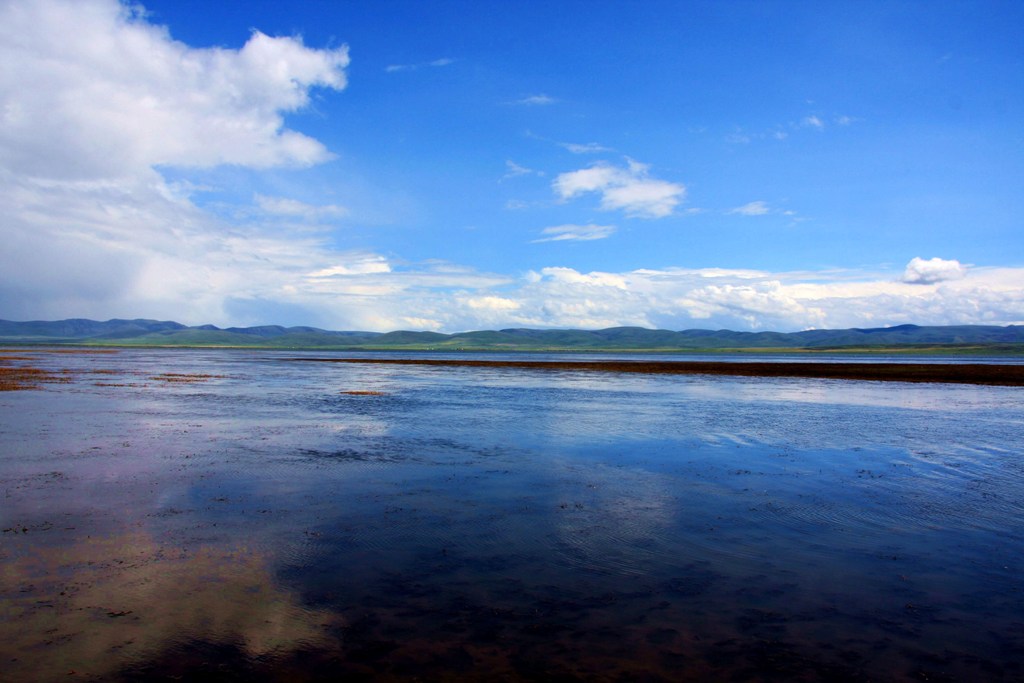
236, 515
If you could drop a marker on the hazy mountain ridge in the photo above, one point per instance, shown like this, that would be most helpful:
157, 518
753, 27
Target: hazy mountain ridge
143, 332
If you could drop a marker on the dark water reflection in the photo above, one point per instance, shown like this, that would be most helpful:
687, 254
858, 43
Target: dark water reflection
260, 523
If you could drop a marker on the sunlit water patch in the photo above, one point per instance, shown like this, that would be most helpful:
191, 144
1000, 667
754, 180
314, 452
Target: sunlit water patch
267, 519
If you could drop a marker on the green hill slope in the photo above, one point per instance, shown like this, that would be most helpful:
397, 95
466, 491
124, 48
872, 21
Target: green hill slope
142, 332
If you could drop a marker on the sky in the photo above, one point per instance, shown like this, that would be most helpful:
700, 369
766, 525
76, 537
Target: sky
462, 165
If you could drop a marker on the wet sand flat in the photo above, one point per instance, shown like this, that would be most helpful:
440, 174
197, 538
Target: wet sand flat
973, 373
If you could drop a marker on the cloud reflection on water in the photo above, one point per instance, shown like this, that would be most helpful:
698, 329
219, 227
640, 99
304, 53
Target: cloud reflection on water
98, 605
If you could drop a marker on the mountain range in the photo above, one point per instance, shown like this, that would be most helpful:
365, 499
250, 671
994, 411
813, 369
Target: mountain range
141, 332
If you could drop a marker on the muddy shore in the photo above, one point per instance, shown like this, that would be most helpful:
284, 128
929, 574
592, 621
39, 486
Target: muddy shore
974, 373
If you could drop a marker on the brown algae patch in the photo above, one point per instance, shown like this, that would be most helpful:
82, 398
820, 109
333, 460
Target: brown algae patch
363, 392
51, 350
14, 376
22, 378
30, 354
18, 373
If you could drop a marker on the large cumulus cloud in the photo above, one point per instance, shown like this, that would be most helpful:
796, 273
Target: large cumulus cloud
929, 271
94, 99
91, 89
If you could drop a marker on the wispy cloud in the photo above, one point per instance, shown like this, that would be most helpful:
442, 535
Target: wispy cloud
739, 137
514, 170
587, 148
758, 208
281, 206
812, 121
743, 137
580, 233
394, 68
629, 189
535, 100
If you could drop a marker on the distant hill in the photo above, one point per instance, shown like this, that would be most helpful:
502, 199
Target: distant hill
79, 328
141, 332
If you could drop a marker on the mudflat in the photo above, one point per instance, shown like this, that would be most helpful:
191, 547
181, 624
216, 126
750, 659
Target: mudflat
973, 373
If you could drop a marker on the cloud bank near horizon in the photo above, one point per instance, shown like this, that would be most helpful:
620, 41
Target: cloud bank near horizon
98, 102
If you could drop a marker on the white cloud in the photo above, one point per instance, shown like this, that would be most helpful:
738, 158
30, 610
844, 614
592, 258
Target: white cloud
586, 148
394, 68
679, 298
356, 264
595, 279
514, 170
558, 233
757, 208
492, 303
535, 100
90, 89
95, 98
930, 271
97, 254
630, 189
813, 121
281, 206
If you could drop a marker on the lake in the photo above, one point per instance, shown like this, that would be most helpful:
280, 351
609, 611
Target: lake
239, 515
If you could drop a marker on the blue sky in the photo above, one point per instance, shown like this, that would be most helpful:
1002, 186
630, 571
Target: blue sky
467, 165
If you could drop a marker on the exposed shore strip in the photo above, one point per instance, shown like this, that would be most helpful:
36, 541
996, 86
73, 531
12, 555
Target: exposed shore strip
954, 373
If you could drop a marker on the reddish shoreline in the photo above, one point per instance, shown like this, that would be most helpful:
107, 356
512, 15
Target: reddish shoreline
955, 373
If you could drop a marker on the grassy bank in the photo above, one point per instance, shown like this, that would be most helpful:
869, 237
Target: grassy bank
952, 350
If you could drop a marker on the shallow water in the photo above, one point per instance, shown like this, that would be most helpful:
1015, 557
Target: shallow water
246, 518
